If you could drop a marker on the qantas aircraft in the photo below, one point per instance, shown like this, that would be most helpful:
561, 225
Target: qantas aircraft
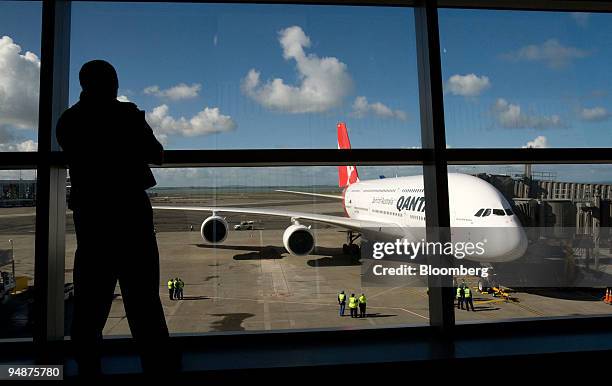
391, 208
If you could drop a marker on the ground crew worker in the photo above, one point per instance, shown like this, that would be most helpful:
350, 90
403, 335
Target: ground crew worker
468, 298
460, 297
342, 302
353, 305
362, 306
175, 285
179, 288
171, 289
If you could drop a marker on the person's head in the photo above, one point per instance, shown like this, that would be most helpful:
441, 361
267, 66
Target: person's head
99, 79
341, 292
353, 295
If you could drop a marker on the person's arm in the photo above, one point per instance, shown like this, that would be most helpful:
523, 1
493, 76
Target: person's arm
60, 132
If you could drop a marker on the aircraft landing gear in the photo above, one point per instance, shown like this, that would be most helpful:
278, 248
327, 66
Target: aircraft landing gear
351, 248
484, 285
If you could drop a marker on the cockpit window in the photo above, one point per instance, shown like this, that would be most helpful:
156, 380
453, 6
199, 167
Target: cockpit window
499, 212
509, 212
479, 212
486, 212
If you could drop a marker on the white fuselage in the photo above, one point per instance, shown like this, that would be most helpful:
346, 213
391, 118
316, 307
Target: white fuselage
478, 211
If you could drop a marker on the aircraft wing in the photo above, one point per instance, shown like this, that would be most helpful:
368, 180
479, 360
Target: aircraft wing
310, 194
343, 222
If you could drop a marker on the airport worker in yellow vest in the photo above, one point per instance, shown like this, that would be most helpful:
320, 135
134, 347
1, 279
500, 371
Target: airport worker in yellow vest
179, 289
353, 305
171, 289
342, 302
362, 306
468, 298
460, 297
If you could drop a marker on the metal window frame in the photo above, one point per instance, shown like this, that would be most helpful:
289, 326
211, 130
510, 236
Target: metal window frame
49, 249
51, 171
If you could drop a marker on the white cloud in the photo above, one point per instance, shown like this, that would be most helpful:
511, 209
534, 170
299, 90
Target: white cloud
361, 107
594, 114
581, 18
208, 121
123, 98
324, 82
27, 145
511, 116
19, 86
467, 85
175, 93
540, 142
551, 52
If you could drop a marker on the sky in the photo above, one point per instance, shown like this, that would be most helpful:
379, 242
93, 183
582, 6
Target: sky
277, 76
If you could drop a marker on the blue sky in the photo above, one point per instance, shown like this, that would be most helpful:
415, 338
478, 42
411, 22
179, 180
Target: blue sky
204, 74
216, 47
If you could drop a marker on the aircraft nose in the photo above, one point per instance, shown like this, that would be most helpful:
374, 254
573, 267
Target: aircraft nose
506, 244
519, 243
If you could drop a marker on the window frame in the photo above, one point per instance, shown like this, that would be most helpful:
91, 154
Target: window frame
434, 156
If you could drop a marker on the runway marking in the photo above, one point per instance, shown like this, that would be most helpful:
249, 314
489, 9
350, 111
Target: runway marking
315, 304
490, 301
527, 308
266, 315
17, 215
385, 291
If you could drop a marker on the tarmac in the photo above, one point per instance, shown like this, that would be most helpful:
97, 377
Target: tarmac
250, 283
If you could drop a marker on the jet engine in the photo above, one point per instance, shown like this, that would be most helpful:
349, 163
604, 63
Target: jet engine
299, 240
214, 229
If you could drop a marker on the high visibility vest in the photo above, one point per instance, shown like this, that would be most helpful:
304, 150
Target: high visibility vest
341, 297
362, 299
170, 284
180, 284
468, 293
458, 292
352, 302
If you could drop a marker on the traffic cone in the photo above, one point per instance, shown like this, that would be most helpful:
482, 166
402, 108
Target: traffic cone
608, 297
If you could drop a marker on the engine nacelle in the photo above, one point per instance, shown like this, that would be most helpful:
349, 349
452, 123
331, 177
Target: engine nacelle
298, 240
214, 229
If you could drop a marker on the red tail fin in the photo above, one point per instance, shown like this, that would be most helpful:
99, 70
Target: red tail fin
346, 174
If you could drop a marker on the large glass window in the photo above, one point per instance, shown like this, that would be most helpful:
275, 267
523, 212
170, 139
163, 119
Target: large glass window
526, 79
564, 268
261, 275
17, 229
19, 74
254, 76
258, 76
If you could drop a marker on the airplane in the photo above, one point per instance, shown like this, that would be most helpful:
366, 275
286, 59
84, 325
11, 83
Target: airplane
390, 208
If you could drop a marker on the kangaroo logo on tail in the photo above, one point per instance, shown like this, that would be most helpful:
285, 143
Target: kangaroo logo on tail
347, 175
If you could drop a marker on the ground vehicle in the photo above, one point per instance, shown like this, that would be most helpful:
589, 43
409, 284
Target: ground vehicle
244, 226
7, 285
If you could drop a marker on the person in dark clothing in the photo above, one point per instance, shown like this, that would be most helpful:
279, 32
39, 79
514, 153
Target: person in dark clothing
468, 298
108, 146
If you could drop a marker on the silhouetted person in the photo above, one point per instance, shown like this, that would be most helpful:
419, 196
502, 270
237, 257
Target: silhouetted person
108, 146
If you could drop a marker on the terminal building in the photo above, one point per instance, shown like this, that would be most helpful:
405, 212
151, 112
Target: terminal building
17, 193
542, 201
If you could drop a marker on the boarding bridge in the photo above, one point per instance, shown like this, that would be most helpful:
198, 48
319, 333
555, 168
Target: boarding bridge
554, 209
